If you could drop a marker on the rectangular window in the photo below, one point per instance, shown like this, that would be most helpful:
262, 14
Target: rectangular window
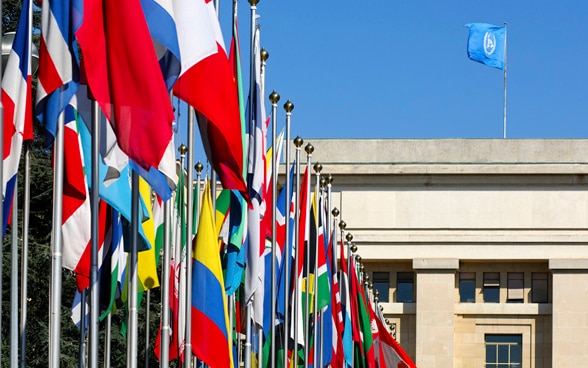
382, 284
491, 287
467, 287
539, 290
504, 351
516, 287
405, 287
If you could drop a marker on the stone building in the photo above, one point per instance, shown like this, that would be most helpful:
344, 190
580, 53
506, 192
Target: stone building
478, 247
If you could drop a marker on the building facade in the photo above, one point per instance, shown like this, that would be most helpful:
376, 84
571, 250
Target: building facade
478, 247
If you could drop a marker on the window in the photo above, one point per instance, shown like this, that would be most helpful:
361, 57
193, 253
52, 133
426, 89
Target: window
467, 287
382, 284
539, 291
491, 287
504, 351
405, 287
515, 287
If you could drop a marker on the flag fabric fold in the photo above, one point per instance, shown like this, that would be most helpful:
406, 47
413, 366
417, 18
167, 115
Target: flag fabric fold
210, 323
17, 103
206, 82
124, 77
58, 75
487, 44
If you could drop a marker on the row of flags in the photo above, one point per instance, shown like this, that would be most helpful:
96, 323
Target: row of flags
179, 47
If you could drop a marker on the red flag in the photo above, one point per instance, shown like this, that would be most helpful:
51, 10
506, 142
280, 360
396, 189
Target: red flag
206, 82
124, 77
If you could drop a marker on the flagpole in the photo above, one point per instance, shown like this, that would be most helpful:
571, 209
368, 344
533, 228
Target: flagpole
165, 288
504, 113
309, 149
288, 107
107, 335
56, 249
25, 256
14, 280
133, 277
298, 143
317, 169
189, 219
82, 342
94, 206
274, 98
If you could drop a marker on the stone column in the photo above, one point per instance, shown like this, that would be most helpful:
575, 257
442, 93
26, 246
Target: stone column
570, 312
435, 321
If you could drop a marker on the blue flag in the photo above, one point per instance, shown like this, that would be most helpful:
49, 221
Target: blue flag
487, 44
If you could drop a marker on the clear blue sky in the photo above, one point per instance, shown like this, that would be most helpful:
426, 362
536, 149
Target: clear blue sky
399, 69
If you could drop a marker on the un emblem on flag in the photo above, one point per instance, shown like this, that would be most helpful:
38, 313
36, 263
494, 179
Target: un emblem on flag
489, 43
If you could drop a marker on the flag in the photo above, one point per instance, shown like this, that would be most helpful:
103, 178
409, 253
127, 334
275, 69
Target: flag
210, 320
159, 15
76, 211
17, 103
115, 261
114, 173
58, 75
125, 79
487, 44
206, 82
391, 354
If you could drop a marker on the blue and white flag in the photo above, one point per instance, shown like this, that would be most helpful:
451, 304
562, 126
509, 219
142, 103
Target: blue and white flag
487, 44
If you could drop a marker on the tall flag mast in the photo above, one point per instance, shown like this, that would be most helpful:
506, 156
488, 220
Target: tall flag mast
487, 45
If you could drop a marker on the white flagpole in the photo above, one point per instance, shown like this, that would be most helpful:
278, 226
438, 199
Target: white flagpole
165, 288
133, 276
25, 257
249, 313
309, 150
274, 98
94, 206
317, 169
288, 107
14, 280
189, 219
107, 334
56, 250
504, 113
298, 143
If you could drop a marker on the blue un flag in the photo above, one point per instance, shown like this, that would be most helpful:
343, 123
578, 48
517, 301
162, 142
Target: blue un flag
487, 44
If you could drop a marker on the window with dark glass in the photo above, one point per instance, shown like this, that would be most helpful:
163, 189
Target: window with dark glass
405, 287
504, 351
515, 287
491, 287
467, 287
381, 282
539, 284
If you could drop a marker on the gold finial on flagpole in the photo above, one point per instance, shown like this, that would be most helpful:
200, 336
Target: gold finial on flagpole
288, 106
298, 141
274, 97
349, 237
335, 212
354, 249
317, 167
309, 149
323, 182
182, 149
342, 224
264, 55
329, 179
199, 167
253, 2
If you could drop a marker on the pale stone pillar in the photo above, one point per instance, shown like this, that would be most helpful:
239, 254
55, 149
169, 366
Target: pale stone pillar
435, 290
570, 312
